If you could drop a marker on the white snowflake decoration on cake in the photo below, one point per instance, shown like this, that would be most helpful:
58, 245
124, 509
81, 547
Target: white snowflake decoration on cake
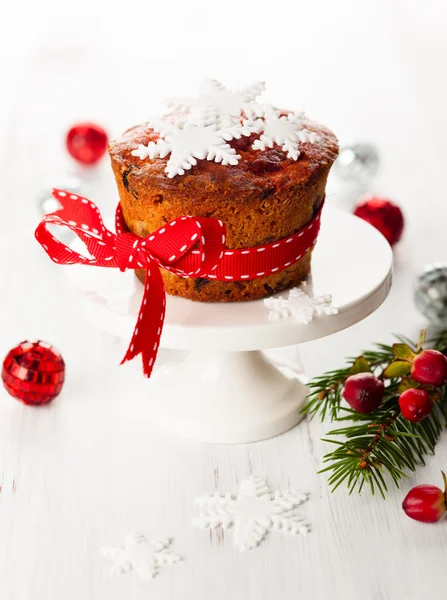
254, 513
286, 131
186, 145
200, 128
220, 106
299, 306
139, 555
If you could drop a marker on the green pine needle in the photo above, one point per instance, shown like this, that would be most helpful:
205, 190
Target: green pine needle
382, 445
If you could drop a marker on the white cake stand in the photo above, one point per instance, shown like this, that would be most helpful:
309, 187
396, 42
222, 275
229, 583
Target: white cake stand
225, 390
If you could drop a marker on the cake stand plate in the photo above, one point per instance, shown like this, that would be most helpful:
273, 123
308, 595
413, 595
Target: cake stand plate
225, 390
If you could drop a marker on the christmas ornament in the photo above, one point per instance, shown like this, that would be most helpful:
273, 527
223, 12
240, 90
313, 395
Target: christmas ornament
378, 443
363, 392
33, 372
426, 503
299, 306
415, 404
254, 513
383, 215
139, 555
430, 367
47, 203
430, 294
358, 161
187, 246
86, 142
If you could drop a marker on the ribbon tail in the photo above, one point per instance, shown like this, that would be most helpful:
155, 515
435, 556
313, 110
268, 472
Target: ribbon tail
146, 336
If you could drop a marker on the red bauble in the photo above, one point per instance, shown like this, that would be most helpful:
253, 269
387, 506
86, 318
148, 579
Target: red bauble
33, 372
363, 392
87, 143
415, 404
426, 503
430, 367
383, 215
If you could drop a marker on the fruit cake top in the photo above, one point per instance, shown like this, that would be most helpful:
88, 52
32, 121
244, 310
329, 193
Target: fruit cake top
223, 136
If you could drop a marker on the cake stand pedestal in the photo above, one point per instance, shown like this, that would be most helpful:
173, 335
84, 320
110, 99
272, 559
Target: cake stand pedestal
226, 391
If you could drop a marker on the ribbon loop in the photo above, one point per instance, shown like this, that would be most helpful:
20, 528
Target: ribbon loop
187, 247
201, 240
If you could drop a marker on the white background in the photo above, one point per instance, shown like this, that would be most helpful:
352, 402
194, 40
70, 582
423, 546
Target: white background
89, 468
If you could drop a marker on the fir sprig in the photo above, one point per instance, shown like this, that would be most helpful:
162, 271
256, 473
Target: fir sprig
381, 445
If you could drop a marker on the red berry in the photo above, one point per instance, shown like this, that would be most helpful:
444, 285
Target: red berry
363, 392
87, 143
415, 404
430, 367
426, 503
384, 216
33, 372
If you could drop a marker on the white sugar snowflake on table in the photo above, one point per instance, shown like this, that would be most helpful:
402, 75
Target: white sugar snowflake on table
220, 106
299, 306
139, 555
254, 513
286, 131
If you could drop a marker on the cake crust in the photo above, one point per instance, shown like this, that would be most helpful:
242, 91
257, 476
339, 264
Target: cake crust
264, 198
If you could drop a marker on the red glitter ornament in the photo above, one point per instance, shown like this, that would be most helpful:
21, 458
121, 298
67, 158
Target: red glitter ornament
33, 372
87, 143
384, 215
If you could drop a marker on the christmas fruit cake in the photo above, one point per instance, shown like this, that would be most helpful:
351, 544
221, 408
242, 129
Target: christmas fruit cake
261, 170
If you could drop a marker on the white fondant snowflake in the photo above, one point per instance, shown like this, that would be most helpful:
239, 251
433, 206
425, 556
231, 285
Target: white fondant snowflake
285, 131
301, 307
139, 555
186, 145
254, 512
200, 128
220, 106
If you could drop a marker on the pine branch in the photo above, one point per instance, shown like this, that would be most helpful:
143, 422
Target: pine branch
324, 395
380, 445
439, 341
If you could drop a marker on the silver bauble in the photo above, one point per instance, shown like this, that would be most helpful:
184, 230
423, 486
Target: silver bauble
46, 204
357, 161
430, 293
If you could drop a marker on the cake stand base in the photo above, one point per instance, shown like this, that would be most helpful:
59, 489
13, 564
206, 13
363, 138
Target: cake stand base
226, 397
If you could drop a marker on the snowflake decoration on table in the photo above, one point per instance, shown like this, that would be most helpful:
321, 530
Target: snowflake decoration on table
285, 131
139, 555
301, 307
254, 512
220, 106
186, 145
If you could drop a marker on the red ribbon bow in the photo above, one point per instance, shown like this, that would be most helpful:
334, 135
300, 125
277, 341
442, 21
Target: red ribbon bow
186, 246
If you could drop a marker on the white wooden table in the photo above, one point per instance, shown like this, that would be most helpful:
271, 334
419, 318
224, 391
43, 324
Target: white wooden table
89, 468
